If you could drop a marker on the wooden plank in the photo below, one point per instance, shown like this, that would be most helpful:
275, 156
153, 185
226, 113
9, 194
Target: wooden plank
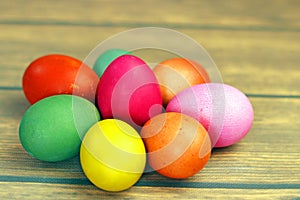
255, 45
62, 191
39, 41
250, 61
188, 13
268, 154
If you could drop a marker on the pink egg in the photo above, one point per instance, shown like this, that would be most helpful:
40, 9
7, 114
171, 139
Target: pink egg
223, 110
128, 90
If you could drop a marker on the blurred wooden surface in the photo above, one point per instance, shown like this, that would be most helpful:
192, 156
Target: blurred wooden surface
256, 45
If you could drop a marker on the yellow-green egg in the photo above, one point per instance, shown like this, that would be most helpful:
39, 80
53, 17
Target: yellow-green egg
52, 129
112, 155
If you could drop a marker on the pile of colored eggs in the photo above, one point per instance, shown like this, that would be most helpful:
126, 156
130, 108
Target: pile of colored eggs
68, 99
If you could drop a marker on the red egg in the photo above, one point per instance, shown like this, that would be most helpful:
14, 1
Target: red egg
128, 90
58, 74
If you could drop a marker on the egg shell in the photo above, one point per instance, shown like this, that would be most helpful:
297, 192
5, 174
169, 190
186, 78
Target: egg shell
112, 155
106, 58
128, 90
52, 129
177, 74
58, 74
178, 146
223, 110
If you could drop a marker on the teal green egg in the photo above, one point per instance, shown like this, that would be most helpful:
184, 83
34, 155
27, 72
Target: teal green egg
106, 58
52, 129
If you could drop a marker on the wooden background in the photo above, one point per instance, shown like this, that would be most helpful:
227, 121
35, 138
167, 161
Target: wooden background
256, 45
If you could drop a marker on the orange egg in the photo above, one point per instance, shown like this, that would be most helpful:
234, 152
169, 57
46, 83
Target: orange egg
178, 146
176, 74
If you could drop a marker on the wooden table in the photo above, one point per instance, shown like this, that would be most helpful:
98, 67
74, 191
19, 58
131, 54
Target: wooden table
256, 45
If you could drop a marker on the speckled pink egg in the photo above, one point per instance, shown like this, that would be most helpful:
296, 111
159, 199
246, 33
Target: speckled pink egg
128, 90
223, 110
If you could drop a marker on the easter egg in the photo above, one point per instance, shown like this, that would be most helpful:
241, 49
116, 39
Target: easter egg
128, 90
176, 74
223, 110
178, 146
112, 155
58, 74
52, 129
106, 58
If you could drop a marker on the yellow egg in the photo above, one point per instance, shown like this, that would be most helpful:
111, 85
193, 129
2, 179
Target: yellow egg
112, 155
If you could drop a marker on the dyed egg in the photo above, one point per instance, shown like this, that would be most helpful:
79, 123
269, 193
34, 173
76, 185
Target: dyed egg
128, 90
52, 129
59, 74
176, 74
178, 146
106, 58
112, 155
223, 110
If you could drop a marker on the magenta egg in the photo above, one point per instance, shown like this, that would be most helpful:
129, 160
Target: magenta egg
225, 112
128, 90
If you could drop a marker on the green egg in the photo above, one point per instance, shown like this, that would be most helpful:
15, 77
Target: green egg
52, 129
106, 58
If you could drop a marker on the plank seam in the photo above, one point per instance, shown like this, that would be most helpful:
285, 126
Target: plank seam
147, 183
136, 25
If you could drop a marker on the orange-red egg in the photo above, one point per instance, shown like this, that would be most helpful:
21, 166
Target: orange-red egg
58, 74
178, 146
176, 74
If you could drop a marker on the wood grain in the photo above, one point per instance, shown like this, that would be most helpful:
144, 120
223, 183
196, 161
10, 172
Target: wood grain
65, 191
257, 66
270, 150
255, 45
279, 14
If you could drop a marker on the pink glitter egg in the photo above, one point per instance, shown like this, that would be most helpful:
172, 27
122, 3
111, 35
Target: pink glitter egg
128, 90
223, 110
